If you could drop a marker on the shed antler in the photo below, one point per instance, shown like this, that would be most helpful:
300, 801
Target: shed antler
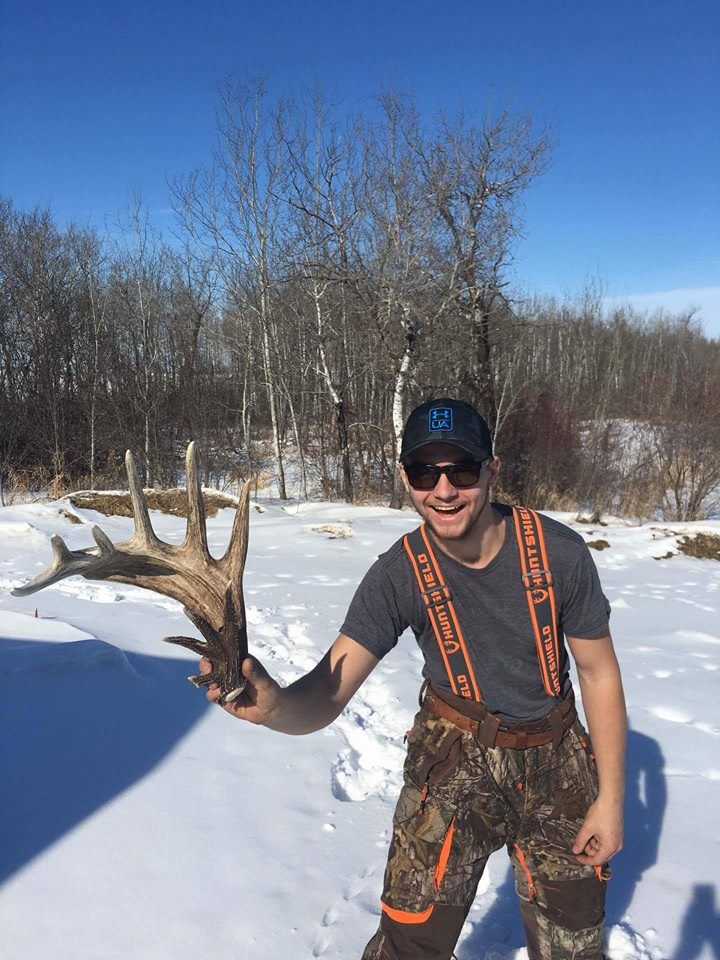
210, 590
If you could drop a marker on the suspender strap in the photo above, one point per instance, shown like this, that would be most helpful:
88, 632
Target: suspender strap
441, 612
538, 585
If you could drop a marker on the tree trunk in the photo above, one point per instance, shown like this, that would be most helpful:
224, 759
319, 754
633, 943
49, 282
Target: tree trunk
398, 407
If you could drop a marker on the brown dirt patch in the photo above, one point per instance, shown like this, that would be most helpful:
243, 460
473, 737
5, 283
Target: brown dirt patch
72, 517
704, 546
593, 519
598, 544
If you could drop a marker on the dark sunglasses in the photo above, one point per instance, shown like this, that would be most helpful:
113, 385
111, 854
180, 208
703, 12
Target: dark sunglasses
424, 476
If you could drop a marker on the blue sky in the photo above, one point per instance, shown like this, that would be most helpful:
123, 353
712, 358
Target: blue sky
100, 98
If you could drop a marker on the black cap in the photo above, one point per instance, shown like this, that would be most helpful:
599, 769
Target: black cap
447, 421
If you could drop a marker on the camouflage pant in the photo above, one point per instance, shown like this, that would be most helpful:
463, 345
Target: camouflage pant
460, 802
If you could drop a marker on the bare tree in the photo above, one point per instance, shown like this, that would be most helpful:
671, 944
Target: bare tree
237, 209
475, 174
324, 200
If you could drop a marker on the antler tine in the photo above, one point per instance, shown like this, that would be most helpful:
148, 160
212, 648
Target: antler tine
107, 547
144, 532
64, 563
237, 548
234, 559
196, 535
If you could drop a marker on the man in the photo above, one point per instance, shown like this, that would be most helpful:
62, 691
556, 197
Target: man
496, 755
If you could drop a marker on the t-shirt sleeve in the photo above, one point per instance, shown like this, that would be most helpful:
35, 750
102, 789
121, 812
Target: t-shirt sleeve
373, 619
585, 610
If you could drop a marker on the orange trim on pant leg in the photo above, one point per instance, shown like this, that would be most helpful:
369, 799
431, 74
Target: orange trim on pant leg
405, 916
444, 855
528, 876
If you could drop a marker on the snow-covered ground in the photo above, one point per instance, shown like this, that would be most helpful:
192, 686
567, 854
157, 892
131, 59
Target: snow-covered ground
138, 821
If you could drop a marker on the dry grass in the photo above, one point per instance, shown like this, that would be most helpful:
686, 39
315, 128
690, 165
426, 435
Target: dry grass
261, 479
23, 486
598, 544
704, 546
501, 495
173, 502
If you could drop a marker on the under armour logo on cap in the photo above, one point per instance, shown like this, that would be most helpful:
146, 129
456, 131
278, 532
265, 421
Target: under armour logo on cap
440, 418
446, 420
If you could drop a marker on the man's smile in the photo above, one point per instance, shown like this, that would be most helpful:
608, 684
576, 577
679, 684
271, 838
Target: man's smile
447, 510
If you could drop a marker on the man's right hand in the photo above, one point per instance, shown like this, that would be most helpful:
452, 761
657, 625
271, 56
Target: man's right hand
260, 698
310, 702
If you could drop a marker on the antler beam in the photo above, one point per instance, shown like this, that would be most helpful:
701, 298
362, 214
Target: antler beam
210, 590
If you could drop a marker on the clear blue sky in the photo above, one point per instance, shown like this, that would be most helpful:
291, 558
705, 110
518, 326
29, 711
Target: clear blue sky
98, 98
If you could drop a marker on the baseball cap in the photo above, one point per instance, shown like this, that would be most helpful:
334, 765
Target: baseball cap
447, 421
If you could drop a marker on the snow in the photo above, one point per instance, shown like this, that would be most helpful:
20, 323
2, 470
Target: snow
139, 821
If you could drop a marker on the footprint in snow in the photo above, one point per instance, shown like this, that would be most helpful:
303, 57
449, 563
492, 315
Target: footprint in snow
322, 945
697, 636
680, 716
297, 633
625, 944
331, 915
670, 714
338, 907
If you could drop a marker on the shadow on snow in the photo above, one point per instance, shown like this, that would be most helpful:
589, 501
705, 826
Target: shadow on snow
82, 722
700, 925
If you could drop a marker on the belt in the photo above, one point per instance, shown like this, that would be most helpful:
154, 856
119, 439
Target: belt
491, 731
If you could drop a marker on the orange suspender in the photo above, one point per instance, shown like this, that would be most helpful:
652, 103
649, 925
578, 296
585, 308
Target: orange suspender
441, 613
537, 583
540, 594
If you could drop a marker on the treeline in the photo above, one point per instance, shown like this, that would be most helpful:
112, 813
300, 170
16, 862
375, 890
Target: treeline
324, 276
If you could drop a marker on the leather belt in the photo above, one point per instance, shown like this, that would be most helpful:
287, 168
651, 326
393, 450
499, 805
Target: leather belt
491, 731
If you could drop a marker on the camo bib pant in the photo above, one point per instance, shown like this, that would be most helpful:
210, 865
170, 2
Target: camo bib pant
460, 802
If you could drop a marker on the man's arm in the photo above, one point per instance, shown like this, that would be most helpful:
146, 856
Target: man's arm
308, 704
602, 695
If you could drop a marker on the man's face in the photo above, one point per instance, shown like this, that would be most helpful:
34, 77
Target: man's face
451, 513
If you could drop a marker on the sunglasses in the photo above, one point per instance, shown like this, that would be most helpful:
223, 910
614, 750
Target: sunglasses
425, 476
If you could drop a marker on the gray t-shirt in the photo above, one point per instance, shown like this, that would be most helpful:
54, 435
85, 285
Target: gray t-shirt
493, 614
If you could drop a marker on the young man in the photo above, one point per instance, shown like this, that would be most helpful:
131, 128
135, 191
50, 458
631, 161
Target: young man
496, 755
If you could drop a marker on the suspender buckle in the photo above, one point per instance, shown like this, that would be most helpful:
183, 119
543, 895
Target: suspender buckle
528, 579
434, 596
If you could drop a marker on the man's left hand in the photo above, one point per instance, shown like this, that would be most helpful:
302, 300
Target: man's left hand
601, 835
